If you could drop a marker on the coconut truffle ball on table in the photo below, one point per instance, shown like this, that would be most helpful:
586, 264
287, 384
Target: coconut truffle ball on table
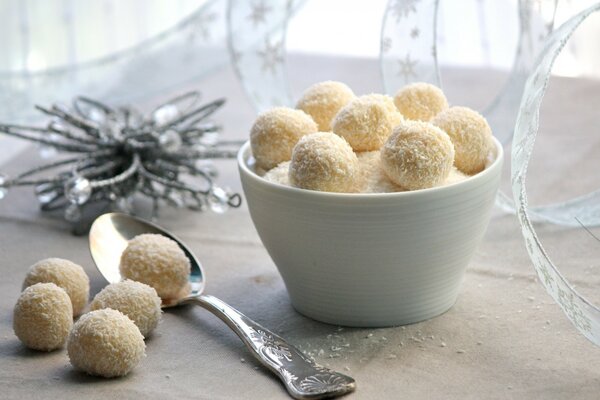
470, 134
65, 274
323, 100
105, 343
420, 101
157, 261
275, 133
43, 317
137, 300
418, 155
365, 123
324, 161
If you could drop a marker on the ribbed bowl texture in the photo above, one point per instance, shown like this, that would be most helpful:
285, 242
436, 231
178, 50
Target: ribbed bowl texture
371, 260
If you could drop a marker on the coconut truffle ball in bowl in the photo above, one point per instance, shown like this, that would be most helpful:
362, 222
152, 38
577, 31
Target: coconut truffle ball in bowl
105, 343
157, 261
470, 134
418, 155
275, 133
420, 101
323, 100
366, 123
43, 317
388, 103
137, 300
65, 274
324, 161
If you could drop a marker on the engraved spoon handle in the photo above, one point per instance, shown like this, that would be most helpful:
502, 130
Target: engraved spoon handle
302, 377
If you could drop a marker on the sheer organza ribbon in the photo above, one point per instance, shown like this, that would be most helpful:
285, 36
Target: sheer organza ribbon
409, 53
584, 315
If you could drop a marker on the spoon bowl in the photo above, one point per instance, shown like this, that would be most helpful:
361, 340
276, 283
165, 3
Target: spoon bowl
302, 377
109, 236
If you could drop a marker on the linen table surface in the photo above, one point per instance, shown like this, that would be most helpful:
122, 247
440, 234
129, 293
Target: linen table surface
504, 338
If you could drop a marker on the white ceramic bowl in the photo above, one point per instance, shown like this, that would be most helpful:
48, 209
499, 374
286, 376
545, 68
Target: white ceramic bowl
371, 260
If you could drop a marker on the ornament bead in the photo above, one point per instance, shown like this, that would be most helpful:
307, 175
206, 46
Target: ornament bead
78, 190
218, 200
3, 185
170, 141
165, 114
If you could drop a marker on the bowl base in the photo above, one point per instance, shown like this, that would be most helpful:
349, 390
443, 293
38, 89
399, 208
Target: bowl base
371, 322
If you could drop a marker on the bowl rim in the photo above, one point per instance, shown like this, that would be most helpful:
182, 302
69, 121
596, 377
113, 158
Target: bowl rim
244, 151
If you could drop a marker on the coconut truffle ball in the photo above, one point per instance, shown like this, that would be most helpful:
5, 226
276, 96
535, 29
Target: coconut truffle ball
324, 161
157, 261
470, 134
275, 133
137, 300
420, 101
279, 174
365, 123
323, 100
388, 103
455, 176
43, 317
374, 179
105, 343
65, 274
418, 155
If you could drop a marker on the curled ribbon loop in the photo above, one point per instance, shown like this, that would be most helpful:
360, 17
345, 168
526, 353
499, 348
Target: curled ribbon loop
409, 52
256, 42
408, 48
182, 53
584, 315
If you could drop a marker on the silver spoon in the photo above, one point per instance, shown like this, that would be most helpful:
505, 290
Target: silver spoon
302, 377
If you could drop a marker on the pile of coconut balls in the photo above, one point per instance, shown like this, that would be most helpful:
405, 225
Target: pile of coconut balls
335, 141
108, 340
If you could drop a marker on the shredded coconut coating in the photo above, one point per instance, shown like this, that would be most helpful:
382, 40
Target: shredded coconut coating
65, 274
365, 123
420, 101
275, 133
325, 162
157, 261
373, 179
388, 103
279, 174
471, 136
418, 155
137, 300
105, 343
323, 100
455, 176
43, 317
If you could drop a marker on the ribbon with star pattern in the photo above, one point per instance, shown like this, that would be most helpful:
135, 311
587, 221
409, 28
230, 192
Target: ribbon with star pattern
409, 53
256, 42
584, 315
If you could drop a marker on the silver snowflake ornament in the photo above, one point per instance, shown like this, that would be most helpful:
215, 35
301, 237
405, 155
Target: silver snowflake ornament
109, 155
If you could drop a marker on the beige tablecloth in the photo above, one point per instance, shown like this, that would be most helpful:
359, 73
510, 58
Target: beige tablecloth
504, 338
